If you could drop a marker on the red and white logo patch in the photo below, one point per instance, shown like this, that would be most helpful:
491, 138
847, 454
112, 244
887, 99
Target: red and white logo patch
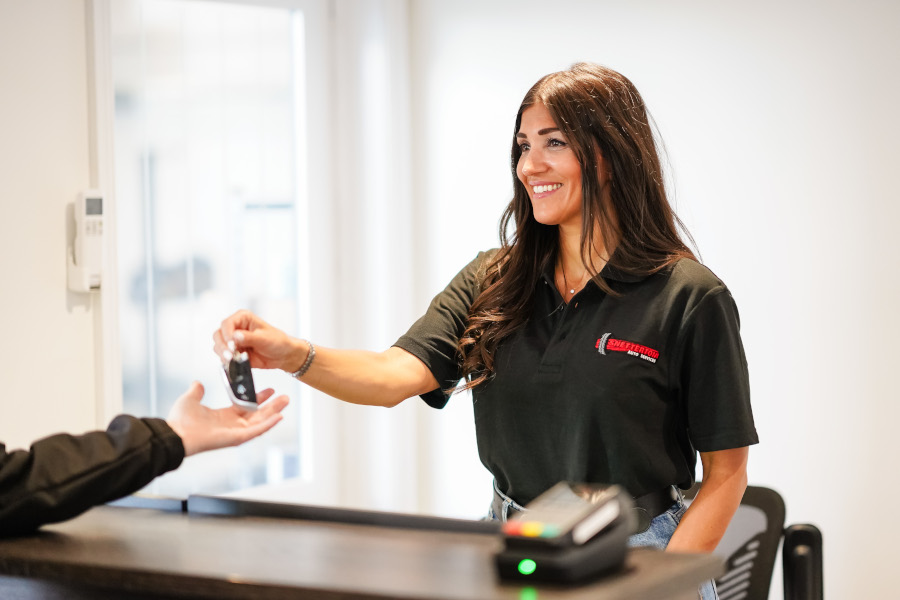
609, 344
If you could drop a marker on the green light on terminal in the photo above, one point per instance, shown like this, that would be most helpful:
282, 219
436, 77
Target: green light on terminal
527, 566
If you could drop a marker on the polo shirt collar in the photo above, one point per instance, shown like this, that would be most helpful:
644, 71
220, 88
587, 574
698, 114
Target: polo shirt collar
608, 272
617, 274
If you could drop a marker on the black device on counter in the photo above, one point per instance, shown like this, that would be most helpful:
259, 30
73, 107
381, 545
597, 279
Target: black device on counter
570, 533
239, 381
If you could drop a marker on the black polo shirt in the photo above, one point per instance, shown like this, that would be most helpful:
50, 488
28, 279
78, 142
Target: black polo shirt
606, 389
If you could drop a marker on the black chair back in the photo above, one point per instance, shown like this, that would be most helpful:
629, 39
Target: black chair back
750, 545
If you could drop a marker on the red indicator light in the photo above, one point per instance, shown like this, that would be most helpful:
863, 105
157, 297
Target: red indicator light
512, 528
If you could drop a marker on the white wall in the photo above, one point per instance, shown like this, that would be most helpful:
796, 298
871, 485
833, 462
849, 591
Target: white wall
47, 352
781, 124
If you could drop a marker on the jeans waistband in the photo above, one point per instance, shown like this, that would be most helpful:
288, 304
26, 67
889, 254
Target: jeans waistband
502, 505
647, 506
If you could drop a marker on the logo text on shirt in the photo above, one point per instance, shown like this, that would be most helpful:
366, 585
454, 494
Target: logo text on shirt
607, 343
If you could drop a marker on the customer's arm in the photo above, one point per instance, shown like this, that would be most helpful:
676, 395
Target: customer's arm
64, 475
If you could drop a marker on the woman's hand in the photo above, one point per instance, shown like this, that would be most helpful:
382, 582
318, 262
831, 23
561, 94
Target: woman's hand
202, 428
268, 347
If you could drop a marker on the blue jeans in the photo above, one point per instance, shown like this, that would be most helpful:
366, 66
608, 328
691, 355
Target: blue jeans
660, 532
657, 535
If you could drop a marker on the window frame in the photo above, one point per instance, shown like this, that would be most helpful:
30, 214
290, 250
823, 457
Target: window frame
318, 483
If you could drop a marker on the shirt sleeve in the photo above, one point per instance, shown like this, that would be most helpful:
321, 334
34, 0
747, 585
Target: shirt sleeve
715, 382
434, 337
64, 475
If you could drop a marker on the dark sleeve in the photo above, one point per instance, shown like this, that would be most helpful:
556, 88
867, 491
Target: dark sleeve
64, 475
434, 337
715, 382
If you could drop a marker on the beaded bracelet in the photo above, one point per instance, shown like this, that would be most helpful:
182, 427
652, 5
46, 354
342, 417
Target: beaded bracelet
309, 359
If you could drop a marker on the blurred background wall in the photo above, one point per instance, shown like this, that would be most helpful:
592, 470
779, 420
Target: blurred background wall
48, 359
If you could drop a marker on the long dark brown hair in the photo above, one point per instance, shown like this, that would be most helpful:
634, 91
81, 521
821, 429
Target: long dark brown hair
599, 111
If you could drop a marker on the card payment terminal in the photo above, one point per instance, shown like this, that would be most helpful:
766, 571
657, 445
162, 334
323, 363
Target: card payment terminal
571, 532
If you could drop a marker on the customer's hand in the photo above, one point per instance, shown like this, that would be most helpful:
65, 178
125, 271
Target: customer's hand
202, 428
268, 347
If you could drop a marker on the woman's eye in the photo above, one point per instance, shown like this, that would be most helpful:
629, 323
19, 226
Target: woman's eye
555, 142
524, 147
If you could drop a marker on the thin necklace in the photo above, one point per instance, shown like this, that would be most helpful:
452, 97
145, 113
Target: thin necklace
566, 281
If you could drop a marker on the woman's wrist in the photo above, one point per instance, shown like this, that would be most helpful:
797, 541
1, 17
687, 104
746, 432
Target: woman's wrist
301, 358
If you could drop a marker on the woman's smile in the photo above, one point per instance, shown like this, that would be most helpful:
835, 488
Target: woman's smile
542, 190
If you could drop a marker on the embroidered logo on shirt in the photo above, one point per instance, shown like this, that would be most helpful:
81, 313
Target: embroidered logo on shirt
607, 343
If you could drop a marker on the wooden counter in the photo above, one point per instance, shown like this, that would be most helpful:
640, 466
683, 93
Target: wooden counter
116, 552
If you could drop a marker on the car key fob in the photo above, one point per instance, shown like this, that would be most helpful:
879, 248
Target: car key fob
239, 381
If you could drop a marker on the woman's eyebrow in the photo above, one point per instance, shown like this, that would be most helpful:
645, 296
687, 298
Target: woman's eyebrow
540, 132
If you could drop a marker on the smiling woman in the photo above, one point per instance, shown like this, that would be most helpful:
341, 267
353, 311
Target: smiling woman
596, 348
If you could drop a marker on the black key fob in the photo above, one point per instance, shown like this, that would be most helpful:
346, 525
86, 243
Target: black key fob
239, 381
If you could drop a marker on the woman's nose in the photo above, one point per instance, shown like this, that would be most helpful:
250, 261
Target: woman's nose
532, 163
